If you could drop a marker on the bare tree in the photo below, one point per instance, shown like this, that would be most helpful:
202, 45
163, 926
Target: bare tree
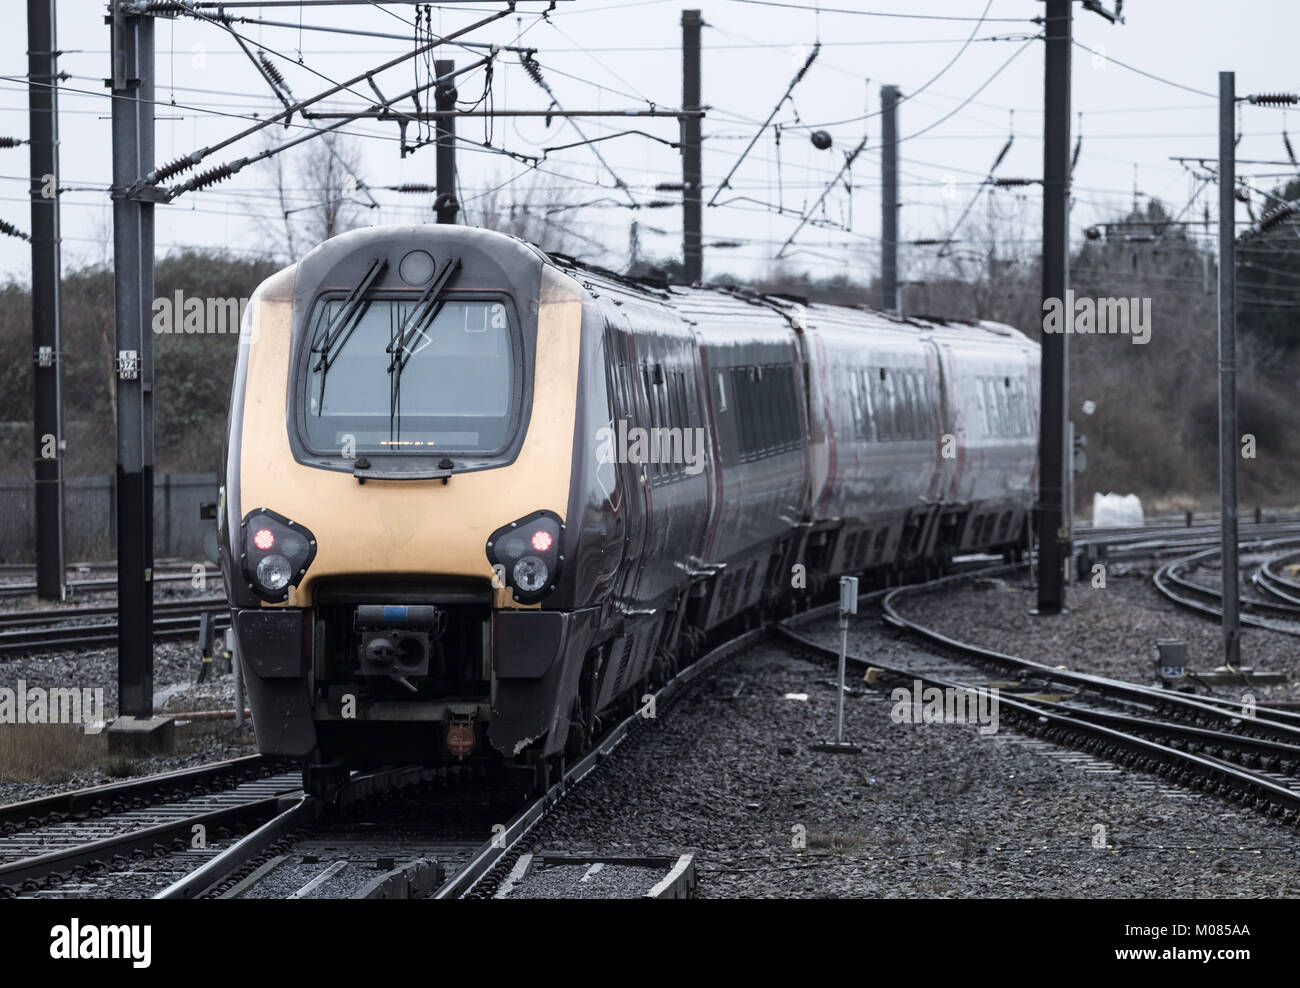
315, 189
330, 176
539, 211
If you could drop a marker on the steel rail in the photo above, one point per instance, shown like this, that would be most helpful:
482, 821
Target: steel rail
1229, 779
150, 788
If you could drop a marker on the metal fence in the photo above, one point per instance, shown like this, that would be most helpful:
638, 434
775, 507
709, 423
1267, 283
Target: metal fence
90, 517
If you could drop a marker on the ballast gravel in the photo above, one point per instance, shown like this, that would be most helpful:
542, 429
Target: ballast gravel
928, 810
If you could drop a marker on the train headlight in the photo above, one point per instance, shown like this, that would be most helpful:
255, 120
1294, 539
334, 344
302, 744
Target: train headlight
276, 554
530, 574
527, 555
273, 572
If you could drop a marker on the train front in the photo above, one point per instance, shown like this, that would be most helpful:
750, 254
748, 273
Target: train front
397, 482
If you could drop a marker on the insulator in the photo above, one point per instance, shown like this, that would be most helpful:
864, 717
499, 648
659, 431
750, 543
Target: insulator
414, 187
1290, 151
1275, 216
1274, 99
174, 168
534, 71
10, 230
167, 7
211, 177
10, 142
1003, 183
1002, 154
812, 57
269, 68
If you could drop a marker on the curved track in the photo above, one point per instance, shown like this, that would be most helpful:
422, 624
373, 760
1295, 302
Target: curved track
1207, 743
1204, 742
1271, 610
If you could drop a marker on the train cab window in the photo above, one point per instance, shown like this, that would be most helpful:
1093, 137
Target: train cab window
455, 389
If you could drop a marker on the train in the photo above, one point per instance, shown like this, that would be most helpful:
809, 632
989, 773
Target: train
477, 498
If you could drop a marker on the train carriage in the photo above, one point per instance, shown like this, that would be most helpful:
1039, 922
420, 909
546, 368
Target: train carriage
476, 496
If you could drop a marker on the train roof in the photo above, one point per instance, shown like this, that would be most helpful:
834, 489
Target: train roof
696, 302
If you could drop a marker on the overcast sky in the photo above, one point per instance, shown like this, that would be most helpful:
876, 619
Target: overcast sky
602, 54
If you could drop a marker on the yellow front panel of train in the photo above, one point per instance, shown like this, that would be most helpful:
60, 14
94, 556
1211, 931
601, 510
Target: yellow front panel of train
410, 527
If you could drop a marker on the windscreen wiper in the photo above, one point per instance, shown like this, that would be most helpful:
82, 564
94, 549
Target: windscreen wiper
332, 338
423, 313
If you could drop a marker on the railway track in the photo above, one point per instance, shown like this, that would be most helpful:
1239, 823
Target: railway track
58, 840
1210, 744
467, 864
1271, 609
85, 627
1270, 579
373, 838
106, 583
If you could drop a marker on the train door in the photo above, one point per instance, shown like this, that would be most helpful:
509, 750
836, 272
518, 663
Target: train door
632, 476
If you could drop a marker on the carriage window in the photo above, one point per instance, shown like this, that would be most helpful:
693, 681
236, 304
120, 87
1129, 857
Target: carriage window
909, 401
889, 387
794, 425
857, 404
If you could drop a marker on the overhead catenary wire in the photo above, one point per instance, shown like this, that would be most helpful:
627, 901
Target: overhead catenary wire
534, 71
225, 170
195, 157
798, 77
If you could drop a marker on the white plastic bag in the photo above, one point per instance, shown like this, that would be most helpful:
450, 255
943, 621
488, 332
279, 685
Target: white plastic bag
1117, 511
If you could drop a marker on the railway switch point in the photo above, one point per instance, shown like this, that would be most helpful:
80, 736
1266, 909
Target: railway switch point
1171, 670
